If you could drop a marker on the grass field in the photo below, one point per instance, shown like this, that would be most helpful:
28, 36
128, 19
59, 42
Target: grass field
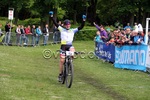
26, 75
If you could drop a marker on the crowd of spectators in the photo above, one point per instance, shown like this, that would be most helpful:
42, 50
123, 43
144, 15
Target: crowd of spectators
29, 35
23, 33
121, 36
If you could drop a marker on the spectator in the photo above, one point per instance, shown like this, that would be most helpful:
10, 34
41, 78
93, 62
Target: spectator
23, 37
138, 39
111, 39
56, 32
128, 26
97, 39
45, 35
1, 34
127, 35
18, 35
103, 32
8, 33
27, 33
135, 27
121, 38
140, 28
38, 34
132, 34
108, 34
33, 31
1, 30
117, 23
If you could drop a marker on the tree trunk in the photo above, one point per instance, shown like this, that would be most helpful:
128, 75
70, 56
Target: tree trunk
144, 19
132, 19
139, 13
75, 13
74, 18
16, 17
92, 11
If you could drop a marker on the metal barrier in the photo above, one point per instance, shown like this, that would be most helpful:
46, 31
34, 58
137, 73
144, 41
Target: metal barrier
13, 39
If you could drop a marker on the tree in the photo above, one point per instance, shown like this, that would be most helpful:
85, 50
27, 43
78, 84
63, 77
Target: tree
17, 5
92, 10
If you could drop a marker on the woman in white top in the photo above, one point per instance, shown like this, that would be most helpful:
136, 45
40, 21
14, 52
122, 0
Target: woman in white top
66, 35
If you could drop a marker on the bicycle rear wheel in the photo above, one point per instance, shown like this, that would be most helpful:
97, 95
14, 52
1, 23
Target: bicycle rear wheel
69, 74
64, 74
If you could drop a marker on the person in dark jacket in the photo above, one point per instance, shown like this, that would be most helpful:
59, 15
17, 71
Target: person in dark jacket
8, 33
23, 37
33, 31
45, 34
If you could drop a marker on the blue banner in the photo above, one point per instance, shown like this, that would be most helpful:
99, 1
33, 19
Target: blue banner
131, 57
106, 52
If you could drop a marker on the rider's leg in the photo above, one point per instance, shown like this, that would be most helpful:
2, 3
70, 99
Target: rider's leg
61, 62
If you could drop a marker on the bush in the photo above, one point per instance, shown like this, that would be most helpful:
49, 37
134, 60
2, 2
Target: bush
85, 35
30, 21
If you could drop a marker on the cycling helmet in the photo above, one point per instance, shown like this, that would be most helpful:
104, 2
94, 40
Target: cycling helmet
67, 22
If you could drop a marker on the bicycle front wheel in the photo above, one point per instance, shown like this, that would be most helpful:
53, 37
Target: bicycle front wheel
69, 74
64, 74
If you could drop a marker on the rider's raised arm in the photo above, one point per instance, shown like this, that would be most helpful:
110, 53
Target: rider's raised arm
83, 22
54, 21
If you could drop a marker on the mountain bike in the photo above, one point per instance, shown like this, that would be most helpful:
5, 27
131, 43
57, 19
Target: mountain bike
68, 70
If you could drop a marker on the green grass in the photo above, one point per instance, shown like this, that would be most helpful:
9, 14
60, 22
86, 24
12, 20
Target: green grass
26, 75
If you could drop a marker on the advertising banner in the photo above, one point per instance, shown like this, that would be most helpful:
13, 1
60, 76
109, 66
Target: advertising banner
148, 59
106, 52
131, 57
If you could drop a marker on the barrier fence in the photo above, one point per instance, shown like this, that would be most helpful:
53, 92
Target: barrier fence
52, 38
134, 57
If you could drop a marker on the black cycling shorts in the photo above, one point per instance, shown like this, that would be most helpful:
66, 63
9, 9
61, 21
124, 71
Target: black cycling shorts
65, 47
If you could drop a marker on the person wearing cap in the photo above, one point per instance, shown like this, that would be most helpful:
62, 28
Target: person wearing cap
66, 35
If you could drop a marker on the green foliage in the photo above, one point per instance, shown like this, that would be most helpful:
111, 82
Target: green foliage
95, 9
111, 28
3, 18
60, 13
85, 35
30, 21
3, 21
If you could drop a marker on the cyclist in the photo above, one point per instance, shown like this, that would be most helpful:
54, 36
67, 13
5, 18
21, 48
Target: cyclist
67, 35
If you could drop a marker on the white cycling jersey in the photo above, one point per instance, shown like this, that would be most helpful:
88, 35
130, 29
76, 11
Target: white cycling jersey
67, 35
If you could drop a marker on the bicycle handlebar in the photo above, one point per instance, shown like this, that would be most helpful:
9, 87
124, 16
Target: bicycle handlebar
74, 52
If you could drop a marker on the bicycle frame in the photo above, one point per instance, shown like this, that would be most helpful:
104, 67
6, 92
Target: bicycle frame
68, 69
